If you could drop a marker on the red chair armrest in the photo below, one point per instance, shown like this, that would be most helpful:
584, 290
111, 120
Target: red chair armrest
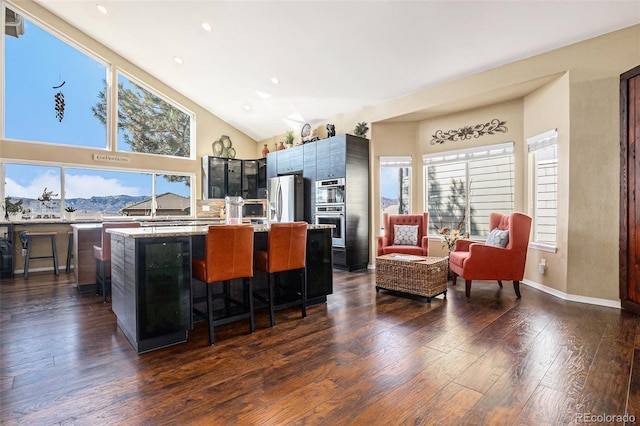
382, 242
462, 245
425, 245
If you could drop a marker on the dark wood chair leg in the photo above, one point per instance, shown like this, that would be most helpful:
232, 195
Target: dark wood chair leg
304, 293
210, 312
516, 288
500, 283
252, 322
272, 294
454, 278
467, 288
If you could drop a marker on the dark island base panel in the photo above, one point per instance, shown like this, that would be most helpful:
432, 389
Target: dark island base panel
151, 344
153, 294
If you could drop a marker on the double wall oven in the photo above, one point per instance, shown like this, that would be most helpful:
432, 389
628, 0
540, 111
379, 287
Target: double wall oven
330, 208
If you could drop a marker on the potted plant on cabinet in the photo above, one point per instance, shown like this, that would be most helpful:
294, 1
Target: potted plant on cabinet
288, 138
361, 129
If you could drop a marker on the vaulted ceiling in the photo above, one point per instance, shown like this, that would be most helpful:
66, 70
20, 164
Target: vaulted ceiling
330, 57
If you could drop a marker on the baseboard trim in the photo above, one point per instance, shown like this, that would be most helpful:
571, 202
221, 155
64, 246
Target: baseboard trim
573, 297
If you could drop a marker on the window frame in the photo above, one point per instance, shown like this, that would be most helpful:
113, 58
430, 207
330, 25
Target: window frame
192, 124
535, 145
462, 159
154, 174
53, 32
396, 161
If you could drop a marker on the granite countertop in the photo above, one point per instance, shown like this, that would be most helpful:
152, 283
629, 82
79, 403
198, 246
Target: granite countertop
160, 220
182, 231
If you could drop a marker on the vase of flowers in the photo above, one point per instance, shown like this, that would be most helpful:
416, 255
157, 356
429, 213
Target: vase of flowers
452, 234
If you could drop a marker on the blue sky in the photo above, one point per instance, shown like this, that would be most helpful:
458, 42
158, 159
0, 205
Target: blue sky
389, 182
35, 63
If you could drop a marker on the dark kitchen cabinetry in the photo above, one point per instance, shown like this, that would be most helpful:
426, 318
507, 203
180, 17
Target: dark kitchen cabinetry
290, 160
234, 177
332, 160
309, 177
342, 156
151, 289
254, 179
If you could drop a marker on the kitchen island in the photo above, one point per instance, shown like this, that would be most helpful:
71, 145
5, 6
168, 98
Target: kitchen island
152, 293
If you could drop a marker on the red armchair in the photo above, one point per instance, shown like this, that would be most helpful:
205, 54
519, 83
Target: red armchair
386, 242
477, 261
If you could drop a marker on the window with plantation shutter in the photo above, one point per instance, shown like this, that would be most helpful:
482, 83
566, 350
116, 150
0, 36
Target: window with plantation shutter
543, 149
464, 186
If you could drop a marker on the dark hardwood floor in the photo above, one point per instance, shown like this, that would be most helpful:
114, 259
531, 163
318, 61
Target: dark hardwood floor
362, 358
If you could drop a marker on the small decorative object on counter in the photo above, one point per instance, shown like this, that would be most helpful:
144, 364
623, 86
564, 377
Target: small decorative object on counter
281, 146
361, 129
13, 210
70, 212
265, 151
233, 206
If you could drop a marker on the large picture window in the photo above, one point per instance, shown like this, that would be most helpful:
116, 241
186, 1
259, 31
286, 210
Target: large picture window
150, 124
52, 83
463, 187
94, 193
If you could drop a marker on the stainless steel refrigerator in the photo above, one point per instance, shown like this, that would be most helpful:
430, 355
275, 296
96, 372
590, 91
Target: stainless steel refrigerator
285, 198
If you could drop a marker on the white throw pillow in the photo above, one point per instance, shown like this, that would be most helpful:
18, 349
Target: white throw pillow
405, 235
498, 238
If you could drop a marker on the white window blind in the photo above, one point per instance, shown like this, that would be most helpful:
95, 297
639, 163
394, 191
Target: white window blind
543, 148
467, 185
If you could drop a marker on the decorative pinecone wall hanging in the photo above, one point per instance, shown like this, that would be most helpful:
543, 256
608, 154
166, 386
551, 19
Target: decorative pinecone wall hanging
59, 97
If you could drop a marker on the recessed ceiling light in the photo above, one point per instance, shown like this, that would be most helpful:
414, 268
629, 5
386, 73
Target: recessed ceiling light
102, 9
275, 80
206, 26
247, 107
178, 60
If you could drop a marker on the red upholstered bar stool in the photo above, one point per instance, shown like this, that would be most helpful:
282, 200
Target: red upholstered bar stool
27, 237
102, 254
228, 256
286, 251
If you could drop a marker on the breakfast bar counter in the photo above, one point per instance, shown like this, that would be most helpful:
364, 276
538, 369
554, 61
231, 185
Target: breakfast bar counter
151, 287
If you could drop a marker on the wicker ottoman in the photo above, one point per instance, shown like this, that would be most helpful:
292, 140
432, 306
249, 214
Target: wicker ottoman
423, 276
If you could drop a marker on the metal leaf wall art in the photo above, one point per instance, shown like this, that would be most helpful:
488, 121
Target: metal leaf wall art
468, 132
59, 98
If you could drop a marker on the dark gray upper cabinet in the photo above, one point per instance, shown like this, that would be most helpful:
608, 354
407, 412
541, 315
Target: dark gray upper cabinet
290, 160
331, 154
272, 162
